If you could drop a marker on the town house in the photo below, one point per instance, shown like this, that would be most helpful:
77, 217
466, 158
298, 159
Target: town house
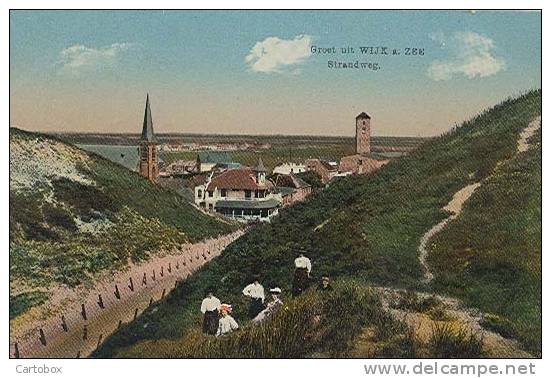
243, 194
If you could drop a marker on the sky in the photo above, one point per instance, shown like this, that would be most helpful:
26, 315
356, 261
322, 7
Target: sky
262, 72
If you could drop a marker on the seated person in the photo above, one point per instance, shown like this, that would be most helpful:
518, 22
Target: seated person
325, 284
272, 307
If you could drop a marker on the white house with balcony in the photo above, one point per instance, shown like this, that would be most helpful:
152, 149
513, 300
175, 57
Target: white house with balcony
242, 194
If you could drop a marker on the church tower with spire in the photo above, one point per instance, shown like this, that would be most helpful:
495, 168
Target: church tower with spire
149, 167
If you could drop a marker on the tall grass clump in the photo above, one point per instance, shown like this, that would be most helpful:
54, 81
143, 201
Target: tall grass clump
447, 341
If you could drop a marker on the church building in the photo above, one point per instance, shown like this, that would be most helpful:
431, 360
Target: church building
148, 165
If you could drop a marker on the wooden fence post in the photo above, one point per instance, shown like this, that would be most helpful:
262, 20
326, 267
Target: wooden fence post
135, 314
150, 301
144, 279
120, 324
162, 271
16, 352
177, 265
85, 332
64, 323
163, 294
153, 277
117, 292
78, 354
42, 336
100, 302
169, 268
99, 340
83, 312
131, 286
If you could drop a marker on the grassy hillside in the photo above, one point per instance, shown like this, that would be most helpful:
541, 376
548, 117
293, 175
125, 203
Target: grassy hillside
367, 227
73, 214
491, 255
302, 328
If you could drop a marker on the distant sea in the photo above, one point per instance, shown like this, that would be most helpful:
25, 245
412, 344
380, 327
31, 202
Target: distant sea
126, 156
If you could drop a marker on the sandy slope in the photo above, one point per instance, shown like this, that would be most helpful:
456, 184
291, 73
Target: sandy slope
102, 322
493, 344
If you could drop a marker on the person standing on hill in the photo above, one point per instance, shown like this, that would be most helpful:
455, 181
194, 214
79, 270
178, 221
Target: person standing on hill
255, 292
210, 307
303, 267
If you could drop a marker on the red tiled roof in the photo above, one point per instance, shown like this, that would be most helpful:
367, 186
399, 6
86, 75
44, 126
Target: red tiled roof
197, 180
241, 179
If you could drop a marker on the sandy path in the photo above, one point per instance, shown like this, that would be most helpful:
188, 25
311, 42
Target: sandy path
527, 133
454, 206
101, 322
493, 344
461, 196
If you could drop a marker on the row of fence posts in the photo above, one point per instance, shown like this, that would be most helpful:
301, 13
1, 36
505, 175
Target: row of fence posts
117, 293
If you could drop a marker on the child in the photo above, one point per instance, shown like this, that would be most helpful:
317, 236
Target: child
227, 323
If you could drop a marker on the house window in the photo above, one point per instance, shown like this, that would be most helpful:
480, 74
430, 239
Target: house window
223, 192
211, 193
199, 193
247, 194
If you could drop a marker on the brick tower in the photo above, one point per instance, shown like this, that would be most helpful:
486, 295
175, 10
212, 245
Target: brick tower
363, 134
149, 167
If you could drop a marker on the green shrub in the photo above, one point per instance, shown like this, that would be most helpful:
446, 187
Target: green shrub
498, 324
22, 302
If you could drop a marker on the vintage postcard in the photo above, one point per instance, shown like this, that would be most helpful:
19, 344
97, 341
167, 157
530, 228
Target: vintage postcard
275, 184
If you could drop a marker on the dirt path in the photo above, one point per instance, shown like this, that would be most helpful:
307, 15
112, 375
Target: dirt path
527, 133
82, 336
457, 315
454, 206
493, 344
461, 196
